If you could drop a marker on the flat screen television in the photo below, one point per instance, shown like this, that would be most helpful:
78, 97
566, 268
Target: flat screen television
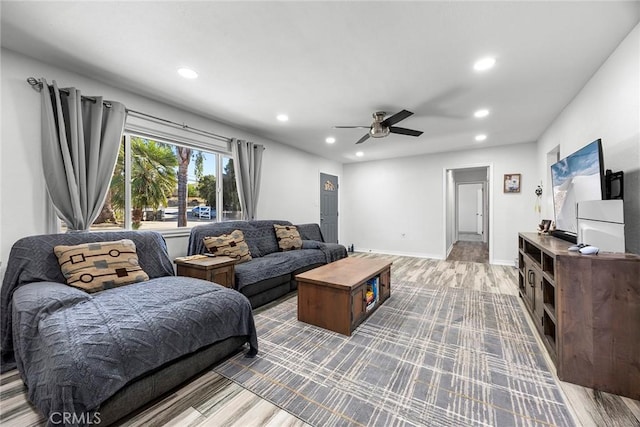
576, 178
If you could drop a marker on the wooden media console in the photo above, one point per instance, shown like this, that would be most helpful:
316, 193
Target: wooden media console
586, 309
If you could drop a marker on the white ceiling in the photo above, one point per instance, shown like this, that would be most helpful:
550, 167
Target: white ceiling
335, 63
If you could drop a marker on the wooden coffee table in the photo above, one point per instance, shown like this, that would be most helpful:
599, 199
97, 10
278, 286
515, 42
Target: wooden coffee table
334, 296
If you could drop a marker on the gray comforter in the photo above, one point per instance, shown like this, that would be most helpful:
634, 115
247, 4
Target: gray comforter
75, 350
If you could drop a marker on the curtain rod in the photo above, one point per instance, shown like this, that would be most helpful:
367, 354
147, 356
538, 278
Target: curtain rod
37, 86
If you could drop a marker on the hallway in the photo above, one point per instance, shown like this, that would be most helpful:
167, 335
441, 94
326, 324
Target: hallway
472, 251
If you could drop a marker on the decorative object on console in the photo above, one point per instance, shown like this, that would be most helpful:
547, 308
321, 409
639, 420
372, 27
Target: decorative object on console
544, 226
512, 183
97, 266
538, 191
232, 245
288, 237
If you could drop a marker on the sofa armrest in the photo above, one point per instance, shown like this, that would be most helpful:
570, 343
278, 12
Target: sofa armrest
311, 244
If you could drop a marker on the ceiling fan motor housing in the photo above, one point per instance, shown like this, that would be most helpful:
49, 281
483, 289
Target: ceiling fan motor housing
377, 130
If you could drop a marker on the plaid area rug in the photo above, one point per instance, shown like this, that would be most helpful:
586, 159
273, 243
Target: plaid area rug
426, 357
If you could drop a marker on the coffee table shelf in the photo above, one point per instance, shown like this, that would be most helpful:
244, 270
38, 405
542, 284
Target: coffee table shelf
334, 296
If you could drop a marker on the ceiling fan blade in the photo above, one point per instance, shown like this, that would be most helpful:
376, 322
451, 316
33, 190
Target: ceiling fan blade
404, 131
390, 121
351, 127
363, 139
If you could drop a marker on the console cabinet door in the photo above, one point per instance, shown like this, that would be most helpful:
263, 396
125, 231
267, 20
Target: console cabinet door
358, 305
529, 285
385, 285
538, 303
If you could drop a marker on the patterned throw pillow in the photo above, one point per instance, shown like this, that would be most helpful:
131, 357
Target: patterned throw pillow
232, 245
97, 266
288, 237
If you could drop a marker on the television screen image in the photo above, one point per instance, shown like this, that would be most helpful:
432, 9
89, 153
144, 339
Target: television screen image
576, 178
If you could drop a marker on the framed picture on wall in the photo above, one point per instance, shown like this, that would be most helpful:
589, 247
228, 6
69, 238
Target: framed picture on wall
512, 183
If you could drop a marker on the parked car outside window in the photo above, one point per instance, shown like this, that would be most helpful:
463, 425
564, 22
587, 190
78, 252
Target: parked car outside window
204, 212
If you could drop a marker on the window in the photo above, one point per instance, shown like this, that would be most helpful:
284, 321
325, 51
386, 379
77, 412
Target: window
159, 185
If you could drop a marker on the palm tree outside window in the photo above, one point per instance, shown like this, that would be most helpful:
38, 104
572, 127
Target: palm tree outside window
170, 187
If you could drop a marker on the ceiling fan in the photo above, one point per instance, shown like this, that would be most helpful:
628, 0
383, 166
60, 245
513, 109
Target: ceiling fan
382, 127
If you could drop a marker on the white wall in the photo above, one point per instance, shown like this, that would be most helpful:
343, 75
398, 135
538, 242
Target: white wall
290, 185
384, 199
608, 107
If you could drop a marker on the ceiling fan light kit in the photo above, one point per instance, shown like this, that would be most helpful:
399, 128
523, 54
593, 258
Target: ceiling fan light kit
377, 130
382, 127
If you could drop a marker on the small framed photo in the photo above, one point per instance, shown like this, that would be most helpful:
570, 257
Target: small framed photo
512, 183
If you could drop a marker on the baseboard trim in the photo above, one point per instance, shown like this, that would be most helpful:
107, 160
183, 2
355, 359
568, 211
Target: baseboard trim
410, 254
506, 262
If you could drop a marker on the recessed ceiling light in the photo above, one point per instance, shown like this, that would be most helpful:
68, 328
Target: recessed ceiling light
481, 137
359, 154
484, 64
282, 117
187, 73
481, 113
330, 140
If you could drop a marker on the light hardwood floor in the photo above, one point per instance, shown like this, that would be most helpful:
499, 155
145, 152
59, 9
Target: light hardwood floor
212, 400
469, 251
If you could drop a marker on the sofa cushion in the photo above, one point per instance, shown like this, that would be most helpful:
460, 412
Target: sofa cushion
288, 237
310, 232
232, 245
96, 266
264, 235
275, 264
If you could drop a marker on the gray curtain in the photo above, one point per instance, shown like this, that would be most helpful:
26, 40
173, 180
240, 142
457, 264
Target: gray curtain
80, 142
247, 159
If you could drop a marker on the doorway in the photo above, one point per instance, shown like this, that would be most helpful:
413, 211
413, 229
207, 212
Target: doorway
329, 207
468, 214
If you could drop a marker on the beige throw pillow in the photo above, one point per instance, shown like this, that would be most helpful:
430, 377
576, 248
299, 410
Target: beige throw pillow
231, 245
97, 266
288, 237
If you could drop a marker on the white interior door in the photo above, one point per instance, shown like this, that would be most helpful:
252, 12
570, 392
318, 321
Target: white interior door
467, 208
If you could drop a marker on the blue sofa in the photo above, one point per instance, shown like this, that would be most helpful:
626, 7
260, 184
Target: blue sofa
270, 274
